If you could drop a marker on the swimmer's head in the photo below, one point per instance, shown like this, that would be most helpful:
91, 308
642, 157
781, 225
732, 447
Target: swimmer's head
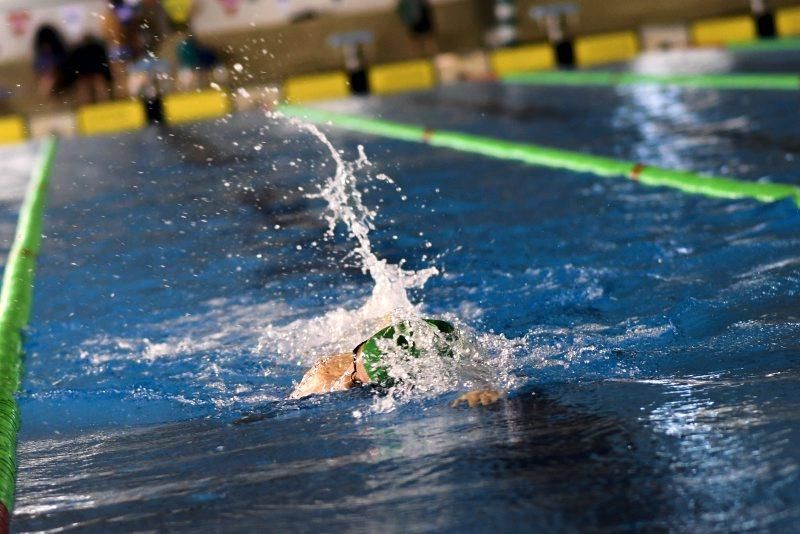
413, 339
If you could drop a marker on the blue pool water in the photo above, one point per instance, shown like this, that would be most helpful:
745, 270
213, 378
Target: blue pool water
651, 336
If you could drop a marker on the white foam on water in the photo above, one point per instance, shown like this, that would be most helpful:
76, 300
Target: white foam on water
346, 206
205, 358
16, 164
471, 361
342, 328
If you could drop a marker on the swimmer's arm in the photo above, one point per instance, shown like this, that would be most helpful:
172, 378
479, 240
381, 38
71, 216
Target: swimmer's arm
482, 397
331, 373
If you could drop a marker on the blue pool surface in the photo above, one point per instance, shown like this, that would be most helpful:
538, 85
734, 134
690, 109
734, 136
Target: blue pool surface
654, 336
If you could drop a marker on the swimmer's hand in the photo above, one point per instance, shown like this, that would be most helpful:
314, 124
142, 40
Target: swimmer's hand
484, 397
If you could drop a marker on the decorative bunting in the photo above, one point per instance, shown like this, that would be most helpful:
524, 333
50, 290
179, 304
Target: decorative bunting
231, 7
19, 20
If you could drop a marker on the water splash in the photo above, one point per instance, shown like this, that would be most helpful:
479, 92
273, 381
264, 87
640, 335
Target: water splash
480, 361
483, 360
344, 327
346, 206
461, 364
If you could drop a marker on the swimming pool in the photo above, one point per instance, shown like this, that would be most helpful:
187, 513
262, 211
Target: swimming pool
652, 336
15, 166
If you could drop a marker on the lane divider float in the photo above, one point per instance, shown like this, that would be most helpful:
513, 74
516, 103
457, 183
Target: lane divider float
16, 296
755, 82
766, 45
555, 158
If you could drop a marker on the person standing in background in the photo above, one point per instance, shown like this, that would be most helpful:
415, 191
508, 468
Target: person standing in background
135, 30
417, 15
148, 72
49, 61
89, 71
152, 27
119, 32
61, 69
196, 63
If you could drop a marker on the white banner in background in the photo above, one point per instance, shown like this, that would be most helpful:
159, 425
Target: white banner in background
284, 6
73, 20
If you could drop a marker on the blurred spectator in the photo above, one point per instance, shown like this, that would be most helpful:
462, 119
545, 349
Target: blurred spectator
152, 27
89, 72
49, 61
135, 30
119, 30
417, 15
149, 73
84, 68
197, 63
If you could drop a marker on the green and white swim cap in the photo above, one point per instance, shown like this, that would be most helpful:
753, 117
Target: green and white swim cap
438, 337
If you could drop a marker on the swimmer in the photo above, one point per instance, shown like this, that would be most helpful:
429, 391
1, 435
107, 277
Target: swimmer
365, 365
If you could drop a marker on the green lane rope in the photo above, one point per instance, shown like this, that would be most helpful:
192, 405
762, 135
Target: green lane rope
551, 157
766, 45
16, 296
759, 82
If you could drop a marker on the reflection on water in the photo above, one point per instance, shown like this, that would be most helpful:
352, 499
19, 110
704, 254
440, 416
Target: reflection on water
651, 454
527, 459
698, 61
730, 462
656, 112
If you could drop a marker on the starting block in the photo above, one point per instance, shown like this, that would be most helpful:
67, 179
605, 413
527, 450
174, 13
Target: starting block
606, 48
522, 59
12, 129
788, 21
326, 86
111, 117
190, 107
402, 76
715, 32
